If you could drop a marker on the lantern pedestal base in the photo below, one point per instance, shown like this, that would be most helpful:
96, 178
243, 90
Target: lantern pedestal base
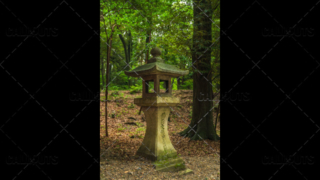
156, 145
170, 165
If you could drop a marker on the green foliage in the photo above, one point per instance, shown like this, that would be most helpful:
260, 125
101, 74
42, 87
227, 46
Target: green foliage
115, 93
131, 106
140, 124
110, 98
175, 84
135, 89
141, 129
188, 84
116, 88
171, 26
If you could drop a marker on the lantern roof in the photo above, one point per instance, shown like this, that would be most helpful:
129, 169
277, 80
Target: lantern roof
156, 65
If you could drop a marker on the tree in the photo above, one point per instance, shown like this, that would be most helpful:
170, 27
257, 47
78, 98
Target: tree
202, 116
102, 71
127, 46
109, 41
169, 23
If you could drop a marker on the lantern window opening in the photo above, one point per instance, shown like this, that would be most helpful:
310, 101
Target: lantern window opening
164, 84
149, 86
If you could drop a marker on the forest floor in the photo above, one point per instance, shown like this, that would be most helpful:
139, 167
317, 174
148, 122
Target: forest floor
117, 153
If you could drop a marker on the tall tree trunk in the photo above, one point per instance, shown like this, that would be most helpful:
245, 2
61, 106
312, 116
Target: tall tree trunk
129, 45
129, 54
202, 115
107, 81
107, 78
127, 51
147, 49
125, 48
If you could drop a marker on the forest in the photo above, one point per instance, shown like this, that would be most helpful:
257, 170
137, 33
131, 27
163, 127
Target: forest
188, 34
129, 29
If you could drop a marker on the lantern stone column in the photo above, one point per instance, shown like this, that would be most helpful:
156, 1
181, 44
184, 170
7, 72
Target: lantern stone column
156, 144
156, 106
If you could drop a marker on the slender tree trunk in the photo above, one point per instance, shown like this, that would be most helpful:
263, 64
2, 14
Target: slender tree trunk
129, 45
106, 91
147, 54
126, 53
202, 115
109, 71
107, 79
102, 72
129, 53
124, 47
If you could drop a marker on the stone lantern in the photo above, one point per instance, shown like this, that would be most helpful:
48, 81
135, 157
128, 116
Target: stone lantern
156, 105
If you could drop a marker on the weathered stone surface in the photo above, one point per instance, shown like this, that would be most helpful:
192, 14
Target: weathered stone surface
156, 65
187, 171
170, 165
156, 143
157, 101
155, 52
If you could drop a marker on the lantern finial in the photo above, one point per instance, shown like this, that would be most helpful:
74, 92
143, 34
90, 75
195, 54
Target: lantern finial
155, 52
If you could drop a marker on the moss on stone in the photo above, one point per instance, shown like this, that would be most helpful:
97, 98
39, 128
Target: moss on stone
158, 66
170, 164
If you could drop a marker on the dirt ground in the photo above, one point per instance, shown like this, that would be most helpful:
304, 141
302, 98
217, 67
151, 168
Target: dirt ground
118, 159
